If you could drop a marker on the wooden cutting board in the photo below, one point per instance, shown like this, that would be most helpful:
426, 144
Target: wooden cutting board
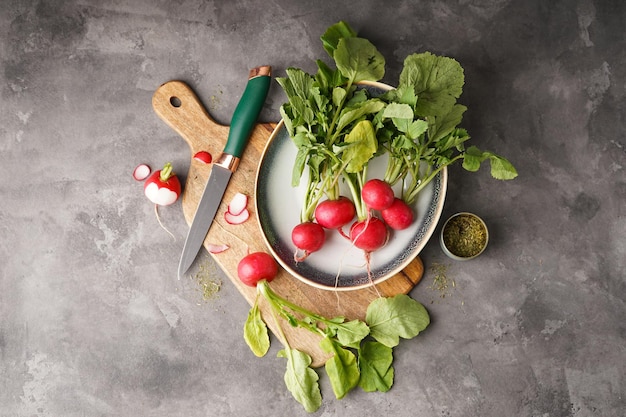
176, 104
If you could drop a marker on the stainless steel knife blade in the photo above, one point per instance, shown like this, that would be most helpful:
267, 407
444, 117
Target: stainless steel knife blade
242, 123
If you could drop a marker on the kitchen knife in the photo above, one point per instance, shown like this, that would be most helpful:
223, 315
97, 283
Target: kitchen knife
242, 123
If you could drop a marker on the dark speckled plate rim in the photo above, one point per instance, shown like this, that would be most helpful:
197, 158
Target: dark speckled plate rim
283, 250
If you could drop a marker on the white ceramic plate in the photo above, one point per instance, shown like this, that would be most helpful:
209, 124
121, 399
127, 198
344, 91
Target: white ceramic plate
338, 265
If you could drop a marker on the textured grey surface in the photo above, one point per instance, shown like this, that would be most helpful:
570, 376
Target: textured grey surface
93, 321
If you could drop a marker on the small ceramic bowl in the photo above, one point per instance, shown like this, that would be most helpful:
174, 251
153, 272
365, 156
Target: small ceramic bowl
464, 236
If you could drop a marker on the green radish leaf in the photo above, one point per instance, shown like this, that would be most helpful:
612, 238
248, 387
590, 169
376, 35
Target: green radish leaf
359, 60
454, 140
472, 159
301, 83
285, 113
342, 369
441, 125
349, 115
436, 80
404, 94
333, 34
351, 333
339, 95
362, 146
301, 379
501, 168
375, 362
324, 76
390, 318
255, 332
298, 167
399, 111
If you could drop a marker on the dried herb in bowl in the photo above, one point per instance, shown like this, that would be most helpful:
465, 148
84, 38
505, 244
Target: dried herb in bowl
464, 236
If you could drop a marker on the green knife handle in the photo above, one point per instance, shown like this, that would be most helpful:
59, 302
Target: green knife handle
247, 110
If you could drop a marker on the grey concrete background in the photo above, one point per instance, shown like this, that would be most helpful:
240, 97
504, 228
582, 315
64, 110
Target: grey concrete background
93, 321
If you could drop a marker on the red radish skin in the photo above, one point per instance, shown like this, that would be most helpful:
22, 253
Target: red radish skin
399, 215
238, 204
334, 214
377, 194
308, 237
237, 218
370, 234
255, 267
141, 172
163, 187
204, 157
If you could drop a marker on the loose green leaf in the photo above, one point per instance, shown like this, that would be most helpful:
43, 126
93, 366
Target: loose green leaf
390, 318
359, 60
342, 369
255, 332
375, 362
501, 168
301, 380
351, 333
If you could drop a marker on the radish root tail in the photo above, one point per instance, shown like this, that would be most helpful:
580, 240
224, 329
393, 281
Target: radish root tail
156, 212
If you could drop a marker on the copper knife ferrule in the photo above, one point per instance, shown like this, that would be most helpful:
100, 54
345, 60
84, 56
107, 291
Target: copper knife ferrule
227, 161
259, 71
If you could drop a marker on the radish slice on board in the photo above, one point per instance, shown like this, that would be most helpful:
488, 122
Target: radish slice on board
203, 156
237, 218
141, 172
238, 204
213, 248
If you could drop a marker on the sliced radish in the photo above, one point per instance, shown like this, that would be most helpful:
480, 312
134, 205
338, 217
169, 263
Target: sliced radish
203, 156
141, 172
237, 218
213, 248
238, 204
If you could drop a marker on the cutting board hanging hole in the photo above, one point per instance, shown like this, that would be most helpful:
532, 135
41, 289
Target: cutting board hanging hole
175, 101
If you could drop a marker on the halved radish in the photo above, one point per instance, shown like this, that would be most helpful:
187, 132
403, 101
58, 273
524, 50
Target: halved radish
237, 218
203, 156
238, 204
214, 248
141, 172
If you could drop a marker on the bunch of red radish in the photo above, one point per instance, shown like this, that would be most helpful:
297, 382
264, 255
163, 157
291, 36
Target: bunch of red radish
368, 234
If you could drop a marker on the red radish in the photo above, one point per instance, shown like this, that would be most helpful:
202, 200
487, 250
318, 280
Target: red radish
141, 172
398, 216
308, 237
255, 267
369, 234
237, 218
238, 204
377, 194
334, 214
203, 156
213, 248
163, 187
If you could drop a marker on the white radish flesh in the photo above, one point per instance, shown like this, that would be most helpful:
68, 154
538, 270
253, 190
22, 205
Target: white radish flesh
238, 204
160, 196
141, 172
213, 248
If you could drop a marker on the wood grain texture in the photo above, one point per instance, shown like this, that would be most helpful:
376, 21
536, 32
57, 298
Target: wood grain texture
176, 104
